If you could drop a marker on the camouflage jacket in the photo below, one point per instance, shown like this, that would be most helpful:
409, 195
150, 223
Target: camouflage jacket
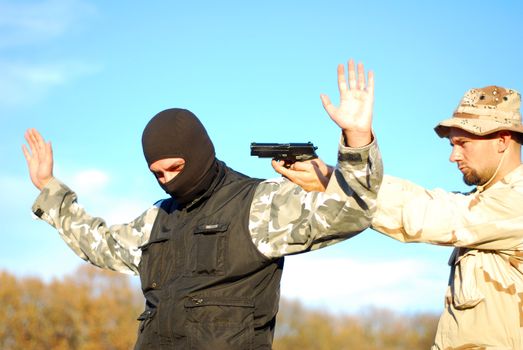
284, 219
484, 300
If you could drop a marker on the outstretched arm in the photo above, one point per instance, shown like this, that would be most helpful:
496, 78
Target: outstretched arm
39, 158
285, 219
114, 247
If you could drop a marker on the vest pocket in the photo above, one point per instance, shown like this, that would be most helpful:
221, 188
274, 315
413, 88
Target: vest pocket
465, 291
209, 249
216, 323
154, 263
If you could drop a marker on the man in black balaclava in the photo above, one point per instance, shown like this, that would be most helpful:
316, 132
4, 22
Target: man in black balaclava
190, 143
210, 257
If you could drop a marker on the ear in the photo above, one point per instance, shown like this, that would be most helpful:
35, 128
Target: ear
503, 139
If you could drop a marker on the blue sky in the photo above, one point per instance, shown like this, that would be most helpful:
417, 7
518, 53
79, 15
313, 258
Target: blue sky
90, 74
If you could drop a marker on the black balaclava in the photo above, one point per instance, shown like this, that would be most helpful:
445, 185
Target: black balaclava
177, 133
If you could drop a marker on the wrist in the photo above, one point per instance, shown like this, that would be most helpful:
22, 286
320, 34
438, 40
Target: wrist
356, 139
43, 183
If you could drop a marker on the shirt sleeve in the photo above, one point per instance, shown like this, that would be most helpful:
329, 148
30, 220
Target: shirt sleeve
285, 219
115, 247
492, 219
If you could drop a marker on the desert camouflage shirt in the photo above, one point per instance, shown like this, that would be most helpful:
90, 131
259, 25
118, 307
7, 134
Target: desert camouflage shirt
484, 300
284, 219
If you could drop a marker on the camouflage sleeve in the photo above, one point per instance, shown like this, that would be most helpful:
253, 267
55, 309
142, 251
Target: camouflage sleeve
285, 219
114, 247
492, 219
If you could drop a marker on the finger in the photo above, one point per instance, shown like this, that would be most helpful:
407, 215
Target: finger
286, 172
342, 83
49, 152
29, 137
352, 75
370, 83
318, 162
34, 140
27, 155
39, 139
281, 169
302, 166
361, 77
277, 166
293, 176
327, 105
26, 137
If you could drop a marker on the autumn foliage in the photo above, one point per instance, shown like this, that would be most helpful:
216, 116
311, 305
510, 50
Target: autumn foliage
299, 328
94, 309
90, 310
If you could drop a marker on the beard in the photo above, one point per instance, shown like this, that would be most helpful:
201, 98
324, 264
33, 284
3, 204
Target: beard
473, 178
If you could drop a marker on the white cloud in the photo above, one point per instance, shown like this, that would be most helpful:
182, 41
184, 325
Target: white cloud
344, 284
23, 23
89, 181
22, 82
29, 25
93, 187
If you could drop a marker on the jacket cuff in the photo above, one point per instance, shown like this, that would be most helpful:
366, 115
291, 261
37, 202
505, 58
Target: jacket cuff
355, 155
51, 197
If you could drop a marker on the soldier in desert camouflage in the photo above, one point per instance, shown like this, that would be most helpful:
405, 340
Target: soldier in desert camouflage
484, 299
210, 256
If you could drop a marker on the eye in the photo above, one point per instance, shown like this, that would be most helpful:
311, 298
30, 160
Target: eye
180, 167
177, 167
465, 144
458, 142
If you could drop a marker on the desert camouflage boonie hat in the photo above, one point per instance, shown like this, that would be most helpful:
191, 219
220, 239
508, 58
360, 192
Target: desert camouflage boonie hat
484, 111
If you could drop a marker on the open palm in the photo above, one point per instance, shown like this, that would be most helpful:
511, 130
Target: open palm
39, 158
354, 114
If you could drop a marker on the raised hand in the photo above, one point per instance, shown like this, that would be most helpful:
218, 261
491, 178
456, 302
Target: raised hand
354, 114
39, 158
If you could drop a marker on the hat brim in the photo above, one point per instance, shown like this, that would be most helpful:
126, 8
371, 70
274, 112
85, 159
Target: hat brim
478, 127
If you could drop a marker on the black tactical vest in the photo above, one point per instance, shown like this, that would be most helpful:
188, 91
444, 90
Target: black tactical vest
206, 284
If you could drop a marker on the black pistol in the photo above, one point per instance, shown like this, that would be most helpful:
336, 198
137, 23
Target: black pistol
288, 152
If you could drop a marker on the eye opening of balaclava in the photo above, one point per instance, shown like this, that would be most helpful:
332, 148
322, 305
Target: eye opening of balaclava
177, 133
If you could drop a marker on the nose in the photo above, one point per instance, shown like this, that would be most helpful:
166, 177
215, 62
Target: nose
168, 176
164, 177
455, 155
